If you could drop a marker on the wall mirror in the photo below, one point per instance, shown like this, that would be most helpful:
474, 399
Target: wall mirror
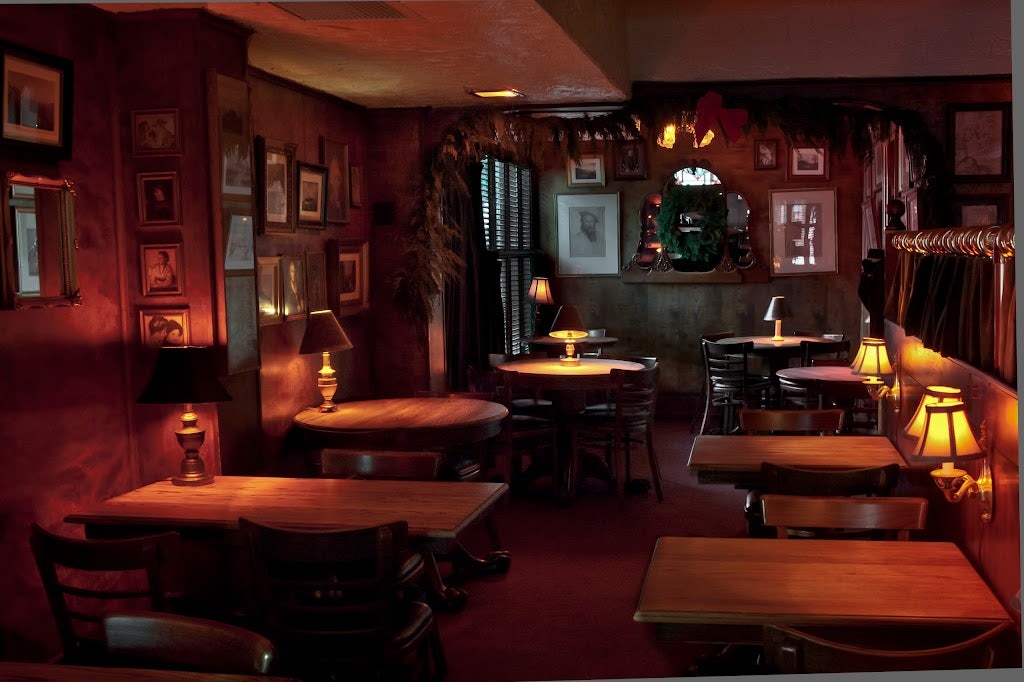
38, 246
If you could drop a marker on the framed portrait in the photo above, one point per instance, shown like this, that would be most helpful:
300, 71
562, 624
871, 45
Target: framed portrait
164, 327
37, 96
354, 277
588, 171
631, 160
156, 132
316, 281
158, 198
355, 186
161, 269
979, 136
803, 225
268, 289
238, 254
766, 154
293, 287
808, 163
312, 195
334, 155
588, 234
980, 210
275, 181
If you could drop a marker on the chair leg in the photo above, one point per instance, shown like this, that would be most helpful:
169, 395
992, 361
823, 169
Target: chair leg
437, 653
653, 460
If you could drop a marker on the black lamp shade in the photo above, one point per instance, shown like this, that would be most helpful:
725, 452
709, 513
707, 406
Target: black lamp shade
323, 332
184, 374
567, 321
778, 309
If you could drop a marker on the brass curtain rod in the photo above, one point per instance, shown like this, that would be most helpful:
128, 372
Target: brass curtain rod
959, 241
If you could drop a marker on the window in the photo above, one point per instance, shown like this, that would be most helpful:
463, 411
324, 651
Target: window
506, 192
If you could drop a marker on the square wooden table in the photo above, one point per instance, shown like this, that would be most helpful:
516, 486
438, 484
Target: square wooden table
725, 589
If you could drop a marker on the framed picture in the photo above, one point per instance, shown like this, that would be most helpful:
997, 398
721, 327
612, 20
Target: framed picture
803, 224
316, 281
766, 154
268, 288
158, 198
905, 168
238, 255
334, 155
275, 180
979, 136
808, 163
293, 298
28, 258
980, 210
160, 266
588, 234
354, 277
588, 171
164, 327
232, 102
631, 160
37, 96
355, 186
156, 132
312, 194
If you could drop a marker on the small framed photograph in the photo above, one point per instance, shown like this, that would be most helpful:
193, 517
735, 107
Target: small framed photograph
268, 288
354, 277
980, 210
808, 163
312, 194
275, 180
587, 172
334, 155
803, 228
156, 132
238, 254
355, 186
37, 96
766, 154
979, 136
293, 299
164, 327
588, 234
161, 265
631, 160
316, 281
158, 198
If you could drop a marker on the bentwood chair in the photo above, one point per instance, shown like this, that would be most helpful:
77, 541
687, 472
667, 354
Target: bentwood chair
84, 579
729, 384
818, 516
331, 603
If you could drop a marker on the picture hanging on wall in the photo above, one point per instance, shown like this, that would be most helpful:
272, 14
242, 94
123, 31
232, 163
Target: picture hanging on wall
766, 154
587, 172
239, 252
36, 101
312, 194
161, 268
979, 141
630, 160
164, 327
316, 281
334, 155
156, 132
353, 277
293, 297
158, 198
588, 234
808, 163
803, 224
268, 288
275, 180
356, 185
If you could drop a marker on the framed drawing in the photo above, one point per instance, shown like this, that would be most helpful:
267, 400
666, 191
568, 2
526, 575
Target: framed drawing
275, 181
316, 281
355, 186
588, 171
354, 277
293, 291
588, 234
334, 155
268, 288
312, 194
164, 327
37, 96
631, 160
979, 136
766, 154
980, 210
160, 266
158, 198
238, 255
803, 225
808, 163
156, 132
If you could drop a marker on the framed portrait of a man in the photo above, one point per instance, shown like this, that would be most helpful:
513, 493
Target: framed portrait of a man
588, 234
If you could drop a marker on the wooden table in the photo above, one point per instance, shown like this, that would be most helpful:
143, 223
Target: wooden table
725, 589
776, 353
737, 459
55, 672
438, 513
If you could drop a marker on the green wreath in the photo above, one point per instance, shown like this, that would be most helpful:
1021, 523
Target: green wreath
708, 202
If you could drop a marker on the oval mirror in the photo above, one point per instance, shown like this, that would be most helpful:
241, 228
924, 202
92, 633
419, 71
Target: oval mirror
692, 220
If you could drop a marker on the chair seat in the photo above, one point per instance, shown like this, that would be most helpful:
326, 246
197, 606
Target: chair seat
418, 620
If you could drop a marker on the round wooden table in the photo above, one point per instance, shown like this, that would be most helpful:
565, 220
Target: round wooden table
776, 353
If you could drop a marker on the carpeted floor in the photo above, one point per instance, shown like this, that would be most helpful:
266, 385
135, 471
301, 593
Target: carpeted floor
565, 609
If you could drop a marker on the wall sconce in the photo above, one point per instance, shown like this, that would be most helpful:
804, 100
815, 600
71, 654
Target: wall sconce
872, 362
324, 334
933, 395
667, 137
947, 437
778, 310
540, 294
569, 325
186, 375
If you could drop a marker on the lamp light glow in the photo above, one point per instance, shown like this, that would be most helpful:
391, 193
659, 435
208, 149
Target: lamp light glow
778, 310
947, 437
504, 93
540, 291
569, 325
324, 334
933, 395
667, 137
872, 359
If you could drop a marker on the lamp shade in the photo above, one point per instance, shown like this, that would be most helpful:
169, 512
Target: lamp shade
872, 358
778, 309
568, 324
540, 291
947, 434
323, 333
184, 374
933, 395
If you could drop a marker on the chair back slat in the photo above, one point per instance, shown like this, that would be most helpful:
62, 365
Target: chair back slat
380, 464
827, 422
812, 351
789, 480
899, 514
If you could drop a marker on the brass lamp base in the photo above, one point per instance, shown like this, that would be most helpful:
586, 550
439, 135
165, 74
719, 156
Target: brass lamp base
190, 438
327, 384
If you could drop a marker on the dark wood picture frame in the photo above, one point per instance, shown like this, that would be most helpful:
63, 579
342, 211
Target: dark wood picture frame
980, 210
807, 162
157, 324
156, 132
630, 159
293, 287
334, 155
979, 141
159, 200
162, 278
316, 281
766, 154
275, 182
355, 181
48, 82
311, 194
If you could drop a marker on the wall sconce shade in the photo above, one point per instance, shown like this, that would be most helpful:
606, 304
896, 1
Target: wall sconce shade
540, 291
778, 310
933, 395
569, 325
872, 359
324, 334
947, 437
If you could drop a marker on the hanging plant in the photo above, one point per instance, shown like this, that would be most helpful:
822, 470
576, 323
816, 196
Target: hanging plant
703, 206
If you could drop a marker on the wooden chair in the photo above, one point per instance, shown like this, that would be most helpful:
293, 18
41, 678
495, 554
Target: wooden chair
818, 516
788, 651
813, 352
710, 336
85, 578
330, 602
820, 422
729, 384
595, 333
522, 434
148, 639
527, 400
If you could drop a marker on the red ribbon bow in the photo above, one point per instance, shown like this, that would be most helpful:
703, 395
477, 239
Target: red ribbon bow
709, 110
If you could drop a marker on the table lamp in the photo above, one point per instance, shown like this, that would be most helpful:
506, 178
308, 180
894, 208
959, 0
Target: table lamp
539, 294
186, 374
933, 395
323, 335
778, 310
568, 325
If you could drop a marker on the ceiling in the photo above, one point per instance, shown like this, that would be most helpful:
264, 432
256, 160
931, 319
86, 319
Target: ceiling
381, 54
